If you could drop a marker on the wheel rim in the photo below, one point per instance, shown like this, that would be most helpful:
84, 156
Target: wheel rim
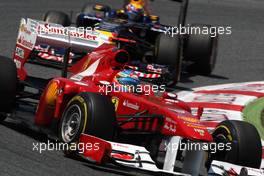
71, 123
221, 137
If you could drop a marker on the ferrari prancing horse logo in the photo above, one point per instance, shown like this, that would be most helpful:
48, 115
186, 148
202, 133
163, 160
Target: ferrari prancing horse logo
115, 101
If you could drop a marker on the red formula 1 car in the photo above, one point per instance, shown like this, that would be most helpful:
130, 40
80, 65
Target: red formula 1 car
98, 95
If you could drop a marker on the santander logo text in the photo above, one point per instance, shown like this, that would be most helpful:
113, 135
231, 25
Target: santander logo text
71, 31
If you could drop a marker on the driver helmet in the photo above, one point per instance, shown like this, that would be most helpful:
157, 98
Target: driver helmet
126, 81
135, 10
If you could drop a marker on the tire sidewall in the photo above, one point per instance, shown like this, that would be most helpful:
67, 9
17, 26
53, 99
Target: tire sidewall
246, 148
80, 102
8, 78
97, 118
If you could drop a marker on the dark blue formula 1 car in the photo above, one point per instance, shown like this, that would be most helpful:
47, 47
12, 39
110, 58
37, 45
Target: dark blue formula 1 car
147, 40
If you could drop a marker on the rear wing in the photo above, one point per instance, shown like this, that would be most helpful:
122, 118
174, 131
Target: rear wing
33, 33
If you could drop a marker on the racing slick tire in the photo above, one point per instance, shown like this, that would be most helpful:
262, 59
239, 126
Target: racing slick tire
201, 50
57, 17
245, 149
8, 80
168, 53
88, 113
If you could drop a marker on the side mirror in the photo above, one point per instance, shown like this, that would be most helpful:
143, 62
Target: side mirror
168, 95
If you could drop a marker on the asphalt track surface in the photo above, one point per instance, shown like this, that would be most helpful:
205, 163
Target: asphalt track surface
241, 58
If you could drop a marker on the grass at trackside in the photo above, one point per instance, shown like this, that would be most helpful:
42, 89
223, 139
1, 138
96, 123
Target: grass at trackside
254, 114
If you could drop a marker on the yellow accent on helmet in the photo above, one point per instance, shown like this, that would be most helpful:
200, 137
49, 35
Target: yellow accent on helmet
139, 4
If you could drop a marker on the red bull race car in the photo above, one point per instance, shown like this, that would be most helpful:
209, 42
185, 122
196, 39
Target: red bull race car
166, 48
100, 100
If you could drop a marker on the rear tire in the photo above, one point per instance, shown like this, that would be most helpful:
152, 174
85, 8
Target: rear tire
57, 17
91, 114
168, 53
246, 148
201, 50
8, 88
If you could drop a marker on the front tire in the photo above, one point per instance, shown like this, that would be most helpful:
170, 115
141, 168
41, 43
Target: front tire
87, 113
246, 148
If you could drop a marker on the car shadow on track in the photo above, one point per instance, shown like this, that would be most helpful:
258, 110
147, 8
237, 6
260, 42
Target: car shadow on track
22, 129
41, 137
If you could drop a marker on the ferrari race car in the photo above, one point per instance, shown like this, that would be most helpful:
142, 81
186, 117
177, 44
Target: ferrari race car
99, 100
154, 43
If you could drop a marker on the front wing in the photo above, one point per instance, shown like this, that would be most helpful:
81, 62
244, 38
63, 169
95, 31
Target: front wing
138, 158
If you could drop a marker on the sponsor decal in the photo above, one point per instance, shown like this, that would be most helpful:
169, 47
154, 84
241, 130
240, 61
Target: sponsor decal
25, 42
20, 52
170, 127
115, 101
170, 120
196, 126
72, 32
126, 103
188, 119
200, 131
26, 37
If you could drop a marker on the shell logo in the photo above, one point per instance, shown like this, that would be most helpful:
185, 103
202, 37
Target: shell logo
52, 93
24, 29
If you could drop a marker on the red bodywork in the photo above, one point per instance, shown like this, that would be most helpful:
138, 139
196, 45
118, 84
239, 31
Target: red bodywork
167, 116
